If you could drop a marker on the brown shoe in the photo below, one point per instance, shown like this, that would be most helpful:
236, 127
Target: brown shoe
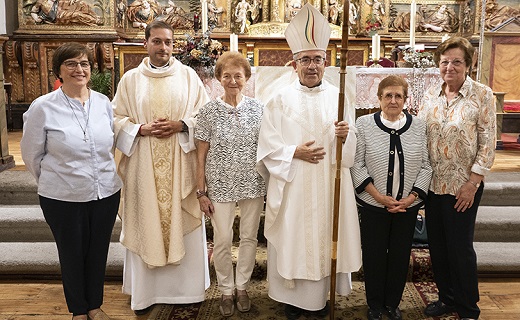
243, 301
227, 306
100, 315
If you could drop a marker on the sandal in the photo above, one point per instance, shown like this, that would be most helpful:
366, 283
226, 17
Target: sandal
227, 306
243, 301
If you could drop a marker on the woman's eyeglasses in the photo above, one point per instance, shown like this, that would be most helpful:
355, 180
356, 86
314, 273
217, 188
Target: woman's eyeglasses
72, 65
455, 63
389, 97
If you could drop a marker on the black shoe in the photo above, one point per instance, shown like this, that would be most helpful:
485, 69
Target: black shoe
322, 313
393, 313
438, 308
374, 315
143, 311
292, 312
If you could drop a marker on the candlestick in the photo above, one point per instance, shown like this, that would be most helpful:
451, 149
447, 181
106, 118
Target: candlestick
204, 15
413, 10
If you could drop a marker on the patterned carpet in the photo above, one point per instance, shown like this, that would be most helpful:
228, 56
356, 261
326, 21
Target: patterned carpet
419, 290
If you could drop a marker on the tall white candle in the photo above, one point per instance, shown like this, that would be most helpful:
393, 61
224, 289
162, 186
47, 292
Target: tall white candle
378, 47
413, 10
233, 42
236, 42
374, 47
204, 15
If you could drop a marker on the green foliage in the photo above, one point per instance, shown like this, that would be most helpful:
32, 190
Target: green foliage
101, 82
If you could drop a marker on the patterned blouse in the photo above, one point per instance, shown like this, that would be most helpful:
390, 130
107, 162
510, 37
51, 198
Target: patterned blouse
461, 134
232, 134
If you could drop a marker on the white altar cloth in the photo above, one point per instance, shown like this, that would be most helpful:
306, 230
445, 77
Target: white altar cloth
360, 84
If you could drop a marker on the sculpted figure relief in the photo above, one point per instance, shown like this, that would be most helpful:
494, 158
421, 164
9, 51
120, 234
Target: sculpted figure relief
438, 19
497, 14
335, 12
293, 7
63, 12
215, 14
121, 10
442, 19
241, 14
378, 10
142, 12
256, 11
176, 16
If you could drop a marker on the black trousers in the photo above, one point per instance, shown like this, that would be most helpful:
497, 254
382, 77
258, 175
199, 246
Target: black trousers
454, 261
82, 233
386, 242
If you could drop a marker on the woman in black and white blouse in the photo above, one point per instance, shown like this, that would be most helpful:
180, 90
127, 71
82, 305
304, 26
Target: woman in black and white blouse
227, 138
391, 174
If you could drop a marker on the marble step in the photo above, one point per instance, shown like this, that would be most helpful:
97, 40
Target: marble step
25, 223
501, 189
41, 259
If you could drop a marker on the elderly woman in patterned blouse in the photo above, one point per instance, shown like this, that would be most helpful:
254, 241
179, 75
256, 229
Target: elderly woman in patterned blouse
227, 138
460, 119
391, 174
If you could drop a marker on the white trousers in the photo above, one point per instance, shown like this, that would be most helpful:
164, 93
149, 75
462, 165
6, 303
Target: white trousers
222, 222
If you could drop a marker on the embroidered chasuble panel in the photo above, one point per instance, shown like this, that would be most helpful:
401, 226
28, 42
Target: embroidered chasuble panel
161, 107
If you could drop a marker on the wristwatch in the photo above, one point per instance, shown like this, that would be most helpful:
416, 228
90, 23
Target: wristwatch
475, 184
415, 194
201, 193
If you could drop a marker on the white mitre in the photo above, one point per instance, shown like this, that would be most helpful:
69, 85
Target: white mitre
308, 30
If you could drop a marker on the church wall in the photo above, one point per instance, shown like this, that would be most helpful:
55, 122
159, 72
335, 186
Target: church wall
101, 23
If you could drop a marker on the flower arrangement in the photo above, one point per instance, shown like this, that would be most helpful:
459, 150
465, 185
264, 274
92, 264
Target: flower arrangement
200, 53
418, 59
372, 25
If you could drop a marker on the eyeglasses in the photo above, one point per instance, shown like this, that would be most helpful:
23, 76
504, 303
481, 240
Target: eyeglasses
306, 61
455, 63
72, 65
397, 97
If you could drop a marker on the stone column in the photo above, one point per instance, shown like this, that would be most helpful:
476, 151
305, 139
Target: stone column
6, 160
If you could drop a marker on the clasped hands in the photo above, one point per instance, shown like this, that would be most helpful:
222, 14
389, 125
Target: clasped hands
307, 152
394, 206
161, 128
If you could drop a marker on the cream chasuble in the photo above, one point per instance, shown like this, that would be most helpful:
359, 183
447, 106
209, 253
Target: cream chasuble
159, 205
300, 194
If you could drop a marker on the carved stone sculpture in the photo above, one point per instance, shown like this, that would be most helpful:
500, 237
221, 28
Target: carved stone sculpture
497, 14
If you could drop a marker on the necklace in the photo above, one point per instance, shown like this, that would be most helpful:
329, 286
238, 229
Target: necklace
77, 119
